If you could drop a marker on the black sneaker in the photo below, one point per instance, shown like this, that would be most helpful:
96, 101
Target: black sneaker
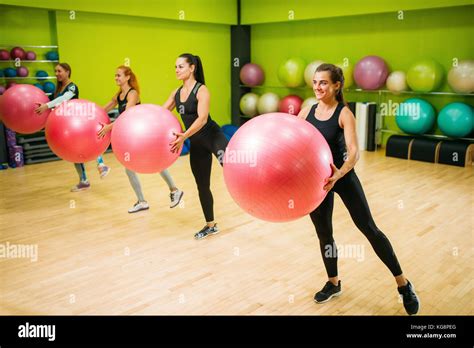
410, 300
328, 291
206, 230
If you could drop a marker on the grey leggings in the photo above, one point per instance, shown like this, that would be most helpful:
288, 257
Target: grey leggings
132, 176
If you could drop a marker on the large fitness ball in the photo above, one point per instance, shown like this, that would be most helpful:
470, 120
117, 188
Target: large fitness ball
10, 72
397, 81
268, 102
141, 138
52, 55
291, 72
370, 72
425, 76
248, 104
4, 54
30, 55
310, 70
275, 167
41, 74
252, 75
49, 87
461, 77
22, 71
348, 72
291, 104
17, 109
415, 116
456, 120
71, 131
17, 52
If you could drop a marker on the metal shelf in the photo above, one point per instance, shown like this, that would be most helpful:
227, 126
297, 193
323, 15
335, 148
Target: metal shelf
29, 61
29, 46
436, 136
378, 91
29, 78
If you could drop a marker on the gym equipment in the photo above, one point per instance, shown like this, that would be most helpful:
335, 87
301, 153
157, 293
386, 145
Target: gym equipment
52, 55
30, 55
456, 153
399, 146
4, 54
268, 102
348, 71
291, 104
425, 76
370, 72
425, 150
461, 77
415, 116
310, 70
71, 130
22, 71
248, 104
397, 81
141, 138
17, 52
17, 108
291, 72
10, 72
456, 120
252, 75
49, 87
275, 167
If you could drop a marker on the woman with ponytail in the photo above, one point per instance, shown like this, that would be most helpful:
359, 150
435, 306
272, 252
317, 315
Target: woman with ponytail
67, 90
336, 123
127, 96
191, 100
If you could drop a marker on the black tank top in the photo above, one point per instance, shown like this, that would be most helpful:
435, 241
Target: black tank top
332, 132
122, 104
71, 87
189, 109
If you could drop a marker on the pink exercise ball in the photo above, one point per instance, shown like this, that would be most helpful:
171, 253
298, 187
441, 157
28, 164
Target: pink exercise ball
30, 55
22, 71
141, 138
4, 54
275, 167
291, 104
370, 72
17, 109
17, 52
252, 75
71, 131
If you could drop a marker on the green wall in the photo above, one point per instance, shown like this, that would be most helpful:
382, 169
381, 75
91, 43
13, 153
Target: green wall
208, 11
95, 44
442, 34
267, 11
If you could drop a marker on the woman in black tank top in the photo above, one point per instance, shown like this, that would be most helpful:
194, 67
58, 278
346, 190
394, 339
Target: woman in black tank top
128, 96
191, 100
337, 124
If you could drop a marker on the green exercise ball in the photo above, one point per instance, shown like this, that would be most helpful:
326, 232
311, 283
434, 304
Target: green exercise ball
425, 76
291, 72
456, 120
415, 116
248, 104
348, 71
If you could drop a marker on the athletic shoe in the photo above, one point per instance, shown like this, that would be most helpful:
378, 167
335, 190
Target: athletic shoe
410, 300
328, 291
82, 186
176, 198
206, 230
138, 207
103, 170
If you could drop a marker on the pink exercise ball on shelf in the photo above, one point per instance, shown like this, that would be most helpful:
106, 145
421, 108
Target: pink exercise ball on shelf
4, 54
30, 55
291, 104
275, 167
71, 131
22, 71
370, 72
17, 52
17, 108
141, 138
252, 75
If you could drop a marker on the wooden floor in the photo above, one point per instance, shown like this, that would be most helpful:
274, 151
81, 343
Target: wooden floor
95, 258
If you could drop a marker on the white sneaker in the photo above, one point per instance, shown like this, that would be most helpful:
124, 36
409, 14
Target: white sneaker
138, 206
176, 198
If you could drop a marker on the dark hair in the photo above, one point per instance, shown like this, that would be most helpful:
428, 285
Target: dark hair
66, 67
336, 76
198, 69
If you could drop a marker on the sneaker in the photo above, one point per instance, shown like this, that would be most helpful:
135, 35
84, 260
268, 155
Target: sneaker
206, 230
103, 170
410, 299
176, 198
82, 186
328, 291
138, 207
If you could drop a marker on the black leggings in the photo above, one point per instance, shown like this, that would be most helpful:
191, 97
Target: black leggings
351, 192
203, 145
